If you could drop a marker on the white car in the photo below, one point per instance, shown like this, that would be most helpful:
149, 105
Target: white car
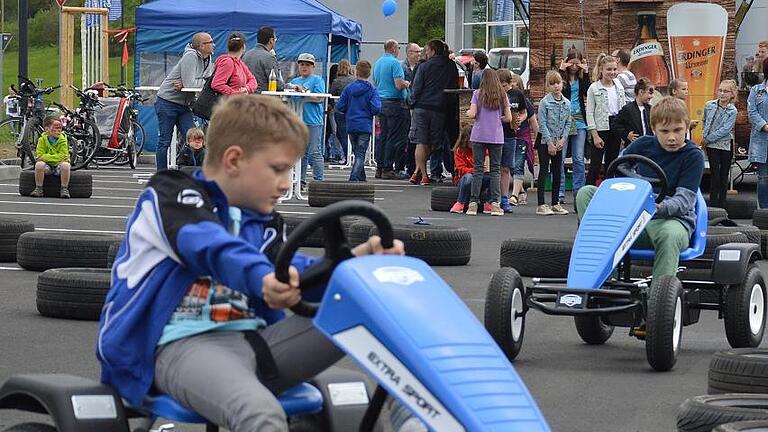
515, 59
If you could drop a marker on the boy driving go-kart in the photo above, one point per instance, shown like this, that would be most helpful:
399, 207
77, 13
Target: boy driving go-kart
653, 211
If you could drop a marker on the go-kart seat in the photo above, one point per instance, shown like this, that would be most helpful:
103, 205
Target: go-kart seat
302, 399
698, 239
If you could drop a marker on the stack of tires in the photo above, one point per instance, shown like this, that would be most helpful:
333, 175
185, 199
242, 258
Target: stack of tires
75, 270
80, 184
737, 397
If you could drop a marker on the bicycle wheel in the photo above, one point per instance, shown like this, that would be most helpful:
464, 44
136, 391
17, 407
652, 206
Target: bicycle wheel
128, 146
9, 132
141, 136
82, 148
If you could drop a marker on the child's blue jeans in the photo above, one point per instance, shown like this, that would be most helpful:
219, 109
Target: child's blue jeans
465, 188
360, 141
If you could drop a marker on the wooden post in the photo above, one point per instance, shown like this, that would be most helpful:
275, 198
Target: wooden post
67, 49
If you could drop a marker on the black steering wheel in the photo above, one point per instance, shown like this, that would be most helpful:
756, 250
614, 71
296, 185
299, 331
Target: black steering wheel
621, 166
336, 247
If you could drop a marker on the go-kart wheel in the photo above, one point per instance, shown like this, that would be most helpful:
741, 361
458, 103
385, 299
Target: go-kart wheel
31, 427
664, 323
592, 329
745, 310
336, 247
505, 311
620, 166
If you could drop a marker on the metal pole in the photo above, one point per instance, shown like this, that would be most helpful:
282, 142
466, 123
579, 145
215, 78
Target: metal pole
23, 40
2, 48
122, 27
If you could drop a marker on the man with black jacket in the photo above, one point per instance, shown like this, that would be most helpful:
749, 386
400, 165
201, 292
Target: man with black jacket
634, 118
429, 104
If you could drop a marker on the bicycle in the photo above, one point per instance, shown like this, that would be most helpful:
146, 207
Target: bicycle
24, 131
128, 136
80, 133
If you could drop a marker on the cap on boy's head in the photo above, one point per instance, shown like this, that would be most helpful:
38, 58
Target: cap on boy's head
253, 122
306, 57
363, 69
669, 109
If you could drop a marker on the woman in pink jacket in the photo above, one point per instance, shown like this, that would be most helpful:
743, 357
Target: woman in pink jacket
231, 75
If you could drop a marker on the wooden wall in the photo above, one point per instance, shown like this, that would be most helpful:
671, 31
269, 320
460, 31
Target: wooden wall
608, 25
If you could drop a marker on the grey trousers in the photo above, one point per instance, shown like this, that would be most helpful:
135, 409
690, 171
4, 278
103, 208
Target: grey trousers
214, 373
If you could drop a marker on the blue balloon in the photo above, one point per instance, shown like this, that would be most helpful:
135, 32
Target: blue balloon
389, 7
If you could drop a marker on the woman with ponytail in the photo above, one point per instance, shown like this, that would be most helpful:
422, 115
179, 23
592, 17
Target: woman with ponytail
605, 98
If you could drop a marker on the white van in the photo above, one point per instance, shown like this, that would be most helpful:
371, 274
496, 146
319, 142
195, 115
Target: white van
515, 59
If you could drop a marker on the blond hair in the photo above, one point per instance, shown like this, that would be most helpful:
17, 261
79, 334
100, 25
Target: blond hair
345, 68
363, 69
733, 87
253, 122
669, 109
602, 59
553, 77
518, 81
195, 132
763, 44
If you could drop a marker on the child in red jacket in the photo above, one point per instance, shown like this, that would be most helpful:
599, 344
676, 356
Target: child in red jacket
462, 172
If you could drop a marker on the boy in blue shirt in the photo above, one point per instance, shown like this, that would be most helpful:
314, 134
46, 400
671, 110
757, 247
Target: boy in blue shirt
669, 232
360, 102
314, 113
193, 285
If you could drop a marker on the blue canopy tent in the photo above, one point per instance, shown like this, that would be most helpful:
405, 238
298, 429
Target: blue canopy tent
164, 27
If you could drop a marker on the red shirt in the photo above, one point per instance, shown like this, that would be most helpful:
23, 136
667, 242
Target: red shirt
232, 75
462, 164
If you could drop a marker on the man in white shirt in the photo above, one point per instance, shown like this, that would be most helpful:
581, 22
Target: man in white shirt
626, 77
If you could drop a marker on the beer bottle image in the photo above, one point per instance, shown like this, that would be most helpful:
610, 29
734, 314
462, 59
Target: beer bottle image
647, 57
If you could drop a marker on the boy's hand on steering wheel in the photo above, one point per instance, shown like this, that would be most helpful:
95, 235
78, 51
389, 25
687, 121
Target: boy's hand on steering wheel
279, 295
373, 247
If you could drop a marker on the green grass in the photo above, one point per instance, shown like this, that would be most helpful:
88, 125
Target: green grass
44, 64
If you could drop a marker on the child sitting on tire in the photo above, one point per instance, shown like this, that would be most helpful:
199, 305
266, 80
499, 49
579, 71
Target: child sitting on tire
669, 232
193, 153
194, 301
463, 171
52, 155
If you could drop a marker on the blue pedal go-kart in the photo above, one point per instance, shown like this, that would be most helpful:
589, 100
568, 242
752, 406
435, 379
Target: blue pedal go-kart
601, 294
394, 316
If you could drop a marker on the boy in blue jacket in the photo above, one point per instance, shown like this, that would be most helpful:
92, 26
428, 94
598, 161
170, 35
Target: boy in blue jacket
359, 102
194, 305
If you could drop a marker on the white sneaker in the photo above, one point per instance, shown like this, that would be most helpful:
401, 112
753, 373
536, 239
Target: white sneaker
559, 210
544, 210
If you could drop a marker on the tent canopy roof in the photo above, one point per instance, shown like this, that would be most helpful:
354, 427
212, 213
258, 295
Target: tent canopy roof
292, 16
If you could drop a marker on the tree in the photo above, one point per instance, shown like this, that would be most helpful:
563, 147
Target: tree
426, 20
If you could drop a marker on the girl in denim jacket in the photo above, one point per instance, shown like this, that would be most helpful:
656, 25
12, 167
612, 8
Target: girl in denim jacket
757, 108
719, 120
555, 125
605, 98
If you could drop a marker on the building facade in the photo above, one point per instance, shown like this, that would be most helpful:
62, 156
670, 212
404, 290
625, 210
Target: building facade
376, 27
486, 24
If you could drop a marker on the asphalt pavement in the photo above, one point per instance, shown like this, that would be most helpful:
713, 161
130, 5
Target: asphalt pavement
578, 387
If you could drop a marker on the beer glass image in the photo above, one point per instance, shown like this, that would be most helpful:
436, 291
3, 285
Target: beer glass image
696, 43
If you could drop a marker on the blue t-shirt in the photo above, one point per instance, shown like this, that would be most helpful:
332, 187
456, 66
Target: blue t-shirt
313, 111
386, 70
576, 106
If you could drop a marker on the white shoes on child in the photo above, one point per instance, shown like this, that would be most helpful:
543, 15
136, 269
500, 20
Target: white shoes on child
547, 210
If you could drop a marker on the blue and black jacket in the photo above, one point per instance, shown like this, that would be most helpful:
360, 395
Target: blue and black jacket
178, 233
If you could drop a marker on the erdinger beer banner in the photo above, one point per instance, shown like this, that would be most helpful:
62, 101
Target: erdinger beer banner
696, 44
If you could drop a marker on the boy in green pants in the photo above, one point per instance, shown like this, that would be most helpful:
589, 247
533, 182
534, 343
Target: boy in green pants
683, 162
52, 154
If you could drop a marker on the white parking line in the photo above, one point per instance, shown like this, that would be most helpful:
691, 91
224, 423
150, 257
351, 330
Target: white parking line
133, 198
107, 189
116, 181
12, 268
79, 230
60, 203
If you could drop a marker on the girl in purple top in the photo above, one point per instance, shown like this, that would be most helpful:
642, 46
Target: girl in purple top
489, 107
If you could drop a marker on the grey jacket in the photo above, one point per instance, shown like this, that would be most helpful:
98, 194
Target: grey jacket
597, 104
261, 62
554, 118
192, 70
718, 125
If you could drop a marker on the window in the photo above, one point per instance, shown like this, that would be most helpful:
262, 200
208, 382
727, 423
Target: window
475, 11
474, 36
501, 36
495, 23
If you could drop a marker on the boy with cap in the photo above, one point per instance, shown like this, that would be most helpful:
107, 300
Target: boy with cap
313, 115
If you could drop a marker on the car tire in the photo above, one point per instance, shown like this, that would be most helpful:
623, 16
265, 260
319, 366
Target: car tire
436, 245
31, 427
359, 232
325, 193
745, 426
741, 370
41, 251
443, 198
72, 293
592, 329
740, 208
716, 213
664, 323
542, 258
80, 184
114, 248
760, 218
317, 238
703, 413
745, 309
505, 311
750, 231
10, 231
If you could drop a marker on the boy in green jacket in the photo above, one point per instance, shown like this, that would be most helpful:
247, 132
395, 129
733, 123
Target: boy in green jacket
52, 156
